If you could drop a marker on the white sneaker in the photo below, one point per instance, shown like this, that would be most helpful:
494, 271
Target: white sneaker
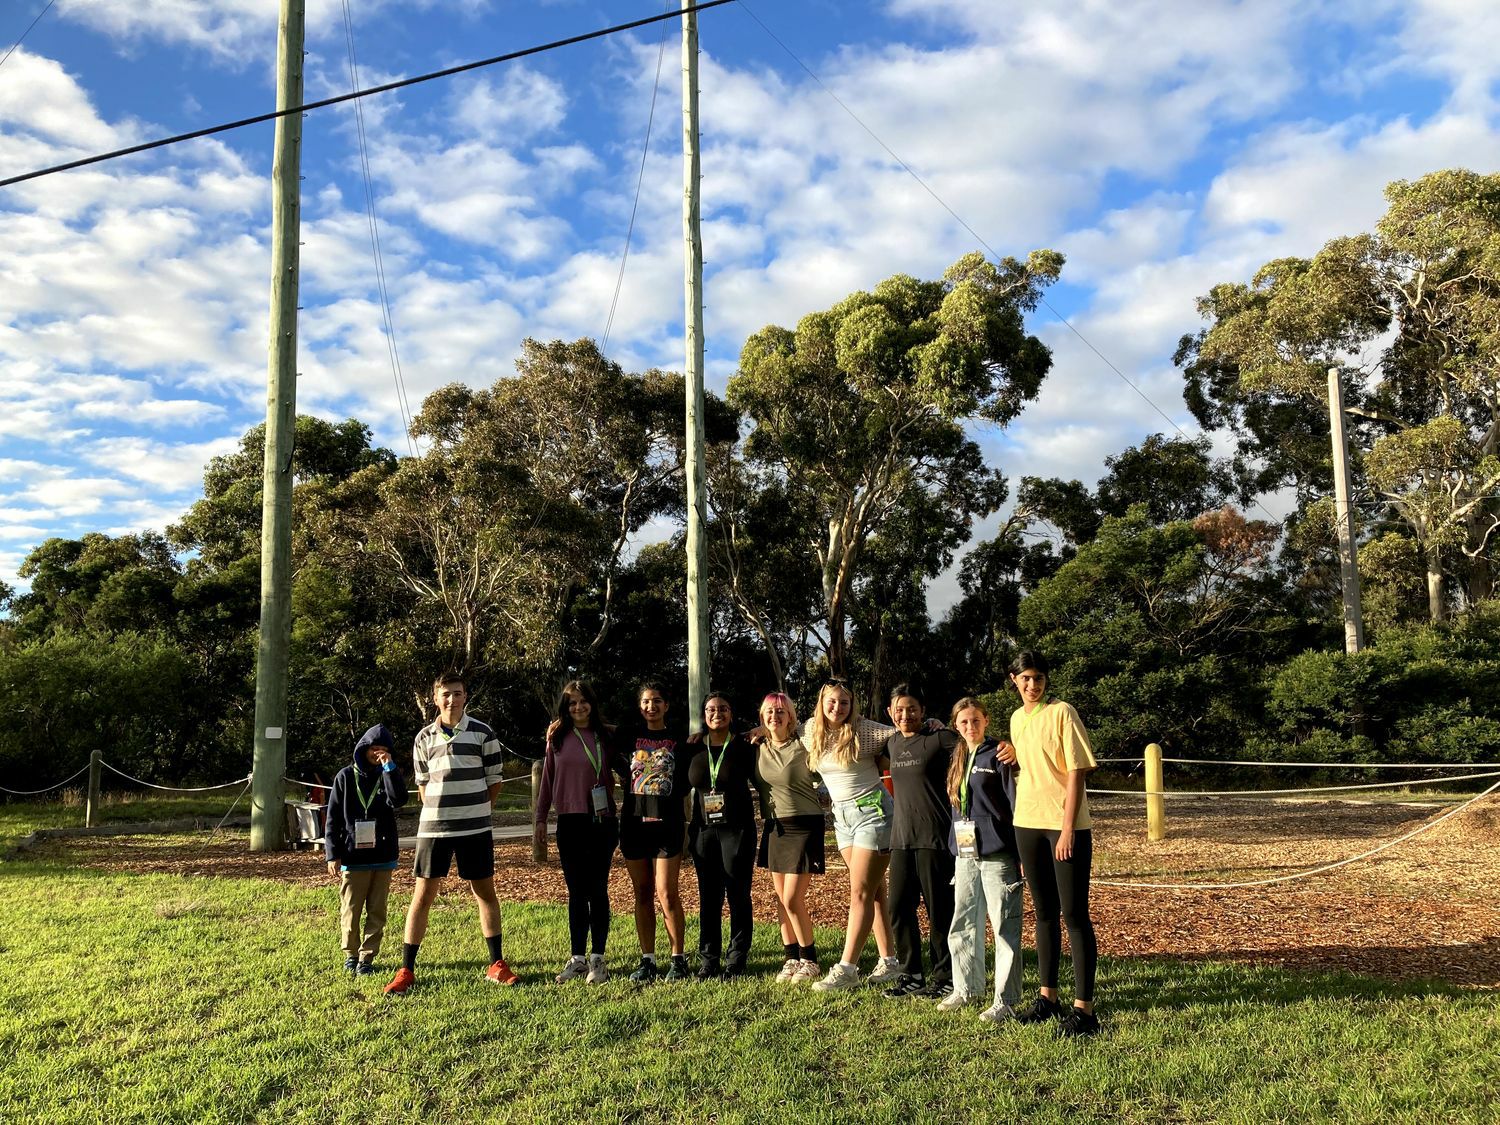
806, 971
839, 977
997, 1012
598, 974
574, 969
952, 1002
886, 970
788, 970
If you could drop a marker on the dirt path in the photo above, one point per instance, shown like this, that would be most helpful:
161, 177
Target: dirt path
1428, 908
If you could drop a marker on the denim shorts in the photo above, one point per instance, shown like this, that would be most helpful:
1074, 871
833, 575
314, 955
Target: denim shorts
866, 826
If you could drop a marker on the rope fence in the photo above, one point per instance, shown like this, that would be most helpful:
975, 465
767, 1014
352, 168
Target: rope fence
1260, 793
175, 788
48, 789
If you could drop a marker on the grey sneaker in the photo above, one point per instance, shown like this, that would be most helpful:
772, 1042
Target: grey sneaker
998, 1012
788, 970
886, 971
598, 974
952, 1002
839, 978
575, 968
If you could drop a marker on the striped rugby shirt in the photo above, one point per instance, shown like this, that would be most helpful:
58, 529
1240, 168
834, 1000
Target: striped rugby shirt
455, 773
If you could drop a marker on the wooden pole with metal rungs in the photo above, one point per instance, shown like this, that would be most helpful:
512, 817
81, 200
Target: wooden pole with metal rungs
1156, 804
538, 847
268, 788
697, 492
91, 807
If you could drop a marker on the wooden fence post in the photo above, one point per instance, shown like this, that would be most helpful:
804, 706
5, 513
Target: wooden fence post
1156, 805
538, 847
91, 807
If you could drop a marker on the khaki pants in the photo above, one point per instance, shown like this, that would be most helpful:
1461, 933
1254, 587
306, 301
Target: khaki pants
367, 891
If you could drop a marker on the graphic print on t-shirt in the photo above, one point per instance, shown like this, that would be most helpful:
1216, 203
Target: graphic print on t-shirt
652, 765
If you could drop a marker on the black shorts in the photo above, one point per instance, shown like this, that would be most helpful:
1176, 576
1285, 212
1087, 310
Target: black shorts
651, 839
793, 846
475, 854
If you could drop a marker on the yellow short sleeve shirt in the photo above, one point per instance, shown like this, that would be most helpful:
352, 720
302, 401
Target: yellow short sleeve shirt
1049, 742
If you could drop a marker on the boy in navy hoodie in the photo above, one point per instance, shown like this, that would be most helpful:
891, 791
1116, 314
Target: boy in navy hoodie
362, 842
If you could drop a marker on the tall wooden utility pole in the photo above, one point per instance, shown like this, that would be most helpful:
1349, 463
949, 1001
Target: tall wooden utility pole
267, 789
697, 495
1354, 625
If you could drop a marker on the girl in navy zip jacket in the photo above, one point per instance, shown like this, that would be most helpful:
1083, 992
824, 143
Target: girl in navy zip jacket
361, 843
987, 872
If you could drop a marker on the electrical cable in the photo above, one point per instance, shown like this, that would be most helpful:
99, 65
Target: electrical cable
384, 88
27, 32
403, 403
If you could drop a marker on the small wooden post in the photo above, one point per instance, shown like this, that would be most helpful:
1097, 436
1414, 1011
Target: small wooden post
91, 808
538, 847
1156, 804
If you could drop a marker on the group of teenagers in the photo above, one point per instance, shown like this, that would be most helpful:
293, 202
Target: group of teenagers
950, 817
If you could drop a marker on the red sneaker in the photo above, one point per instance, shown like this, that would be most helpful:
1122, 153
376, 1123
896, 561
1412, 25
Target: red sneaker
401, 983
499, 973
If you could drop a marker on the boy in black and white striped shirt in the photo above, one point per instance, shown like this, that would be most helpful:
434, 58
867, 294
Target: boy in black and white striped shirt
456, 762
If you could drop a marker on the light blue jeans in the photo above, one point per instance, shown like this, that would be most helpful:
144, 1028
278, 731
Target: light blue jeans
988, 885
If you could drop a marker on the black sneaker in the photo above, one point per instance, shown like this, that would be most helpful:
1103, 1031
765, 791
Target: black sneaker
678, 969
1040, 1010
1078, 1024
906, 985
645, 973
350, 964
934, 990
733, 968
364, 968
708, 967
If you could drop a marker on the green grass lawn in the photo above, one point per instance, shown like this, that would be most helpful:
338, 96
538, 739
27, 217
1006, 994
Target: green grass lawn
158, 998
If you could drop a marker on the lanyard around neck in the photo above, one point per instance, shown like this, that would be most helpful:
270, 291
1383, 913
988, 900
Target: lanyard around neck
714, 764
595, 759
963, 788
365, 802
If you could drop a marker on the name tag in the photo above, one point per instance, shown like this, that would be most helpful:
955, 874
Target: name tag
967, 837
600, 799
364, 833
713, 807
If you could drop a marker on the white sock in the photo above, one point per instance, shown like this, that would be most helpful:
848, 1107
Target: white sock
649, 957
846, 965
891, 960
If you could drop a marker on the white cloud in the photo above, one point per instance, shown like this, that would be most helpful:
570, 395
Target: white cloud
175, 468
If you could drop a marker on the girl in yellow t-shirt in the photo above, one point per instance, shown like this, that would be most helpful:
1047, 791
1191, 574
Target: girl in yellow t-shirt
1055, 840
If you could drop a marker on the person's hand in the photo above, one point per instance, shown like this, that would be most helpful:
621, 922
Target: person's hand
1006, 753
758, 735
1064, 849
539, 835
553, 727
933, 723
695, 738
379, 755
333, 868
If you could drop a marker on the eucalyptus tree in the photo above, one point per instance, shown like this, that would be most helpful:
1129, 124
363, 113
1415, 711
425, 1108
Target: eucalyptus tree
862, 406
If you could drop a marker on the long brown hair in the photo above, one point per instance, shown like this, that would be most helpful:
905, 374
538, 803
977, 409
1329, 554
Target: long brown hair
960, 762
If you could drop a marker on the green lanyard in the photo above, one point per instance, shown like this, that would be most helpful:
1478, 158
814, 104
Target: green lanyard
963, 788
1027, 716
713, 766
595, 759
365, 802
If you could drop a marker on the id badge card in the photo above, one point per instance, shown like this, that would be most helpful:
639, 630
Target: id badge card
599, 798
364, 833
966, 836
713, 807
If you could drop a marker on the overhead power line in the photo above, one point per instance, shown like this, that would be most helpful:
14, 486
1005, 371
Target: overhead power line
27, 32
339, 99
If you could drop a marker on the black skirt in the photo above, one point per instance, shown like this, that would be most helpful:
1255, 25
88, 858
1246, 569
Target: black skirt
793, 846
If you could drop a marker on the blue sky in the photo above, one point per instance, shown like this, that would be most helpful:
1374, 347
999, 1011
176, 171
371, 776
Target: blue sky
1162, 146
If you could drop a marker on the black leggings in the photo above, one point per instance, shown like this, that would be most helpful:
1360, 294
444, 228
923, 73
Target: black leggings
928, 873
1061, 888
585, 847
725, 861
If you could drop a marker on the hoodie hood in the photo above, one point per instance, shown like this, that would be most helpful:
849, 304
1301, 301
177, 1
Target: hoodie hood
377, 735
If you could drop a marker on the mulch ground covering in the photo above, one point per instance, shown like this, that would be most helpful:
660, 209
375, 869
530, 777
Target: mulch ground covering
1425, 909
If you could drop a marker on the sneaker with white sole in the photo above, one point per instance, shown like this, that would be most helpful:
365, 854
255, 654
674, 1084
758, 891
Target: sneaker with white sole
598, 974
999, 1012
575, 968
952, 1002
788, 970
886, 971
839, 978
806, 972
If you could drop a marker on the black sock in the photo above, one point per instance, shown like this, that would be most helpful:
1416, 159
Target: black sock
494, 944
791, 950
808, 952
409, 956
